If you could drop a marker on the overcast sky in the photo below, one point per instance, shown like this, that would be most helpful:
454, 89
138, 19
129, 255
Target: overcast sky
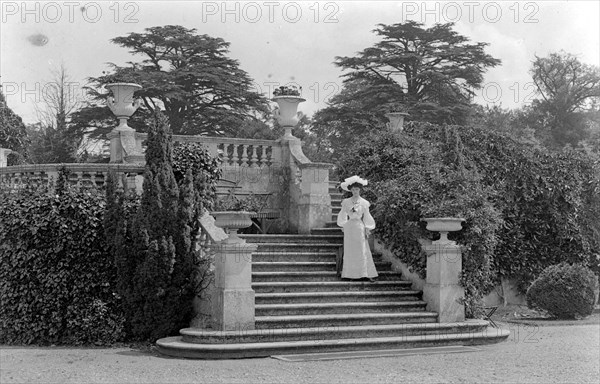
282, 42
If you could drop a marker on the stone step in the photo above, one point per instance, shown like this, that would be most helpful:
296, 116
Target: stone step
175, 346
293, 239
304, 257
336, 297
336, 308
336, 210
310, 276
206, 336
281, 266
332, 224
299, 247
328, 231
343, 319
329, 286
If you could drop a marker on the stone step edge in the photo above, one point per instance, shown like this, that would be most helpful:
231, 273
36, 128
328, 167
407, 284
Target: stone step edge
336, 245
311, 273
304, 263
175, 343
342, 316
468, 324
286, 236
291, 295
335, 283
333, 254
352, 304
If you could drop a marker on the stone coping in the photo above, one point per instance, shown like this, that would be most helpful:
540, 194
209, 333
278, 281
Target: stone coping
316, 165
213, 139
76, 167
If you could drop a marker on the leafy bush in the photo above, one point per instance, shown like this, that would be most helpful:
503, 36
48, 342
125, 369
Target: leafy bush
57, 279
411, 178
525, 208
250, 203
206, 169
564, 291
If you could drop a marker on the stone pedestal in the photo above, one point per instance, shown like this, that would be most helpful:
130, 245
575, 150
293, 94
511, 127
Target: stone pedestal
314, 203
125, 148
4, 152
442, 290
233, 300
309, 199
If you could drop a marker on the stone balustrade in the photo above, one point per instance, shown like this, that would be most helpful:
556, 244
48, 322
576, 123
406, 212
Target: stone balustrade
81, 174
291, 186
236, 152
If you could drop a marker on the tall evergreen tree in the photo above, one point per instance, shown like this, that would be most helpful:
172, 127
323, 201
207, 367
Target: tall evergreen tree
154, 255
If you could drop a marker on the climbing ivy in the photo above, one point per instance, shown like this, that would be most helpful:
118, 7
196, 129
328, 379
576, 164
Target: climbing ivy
525, 208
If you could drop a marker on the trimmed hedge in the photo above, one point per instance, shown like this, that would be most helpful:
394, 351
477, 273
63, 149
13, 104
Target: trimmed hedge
57, 279
564, 291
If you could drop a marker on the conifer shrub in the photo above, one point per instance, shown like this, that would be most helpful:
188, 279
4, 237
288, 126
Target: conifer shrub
564, 291
153, 238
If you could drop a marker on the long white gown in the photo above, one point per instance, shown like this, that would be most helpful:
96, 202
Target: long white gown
354, 218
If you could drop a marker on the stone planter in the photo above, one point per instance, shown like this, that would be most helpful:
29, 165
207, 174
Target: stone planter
396, 123
121, 102
287, 114
443, 225
231, 221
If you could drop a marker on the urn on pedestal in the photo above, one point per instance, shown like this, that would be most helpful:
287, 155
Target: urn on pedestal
287, 98
231, 222
122, 104
443, 225
396, 123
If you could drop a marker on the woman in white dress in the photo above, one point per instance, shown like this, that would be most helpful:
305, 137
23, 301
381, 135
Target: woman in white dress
356, 222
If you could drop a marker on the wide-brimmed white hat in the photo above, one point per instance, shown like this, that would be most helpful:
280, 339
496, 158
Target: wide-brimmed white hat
352, 180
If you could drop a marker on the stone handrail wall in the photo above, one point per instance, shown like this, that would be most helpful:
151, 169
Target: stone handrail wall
309, 199
82, 174
289, 186
236, 152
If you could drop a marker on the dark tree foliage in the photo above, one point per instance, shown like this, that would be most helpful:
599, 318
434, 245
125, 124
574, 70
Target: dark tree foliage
570, 97
189, 76
431, 73
13, 134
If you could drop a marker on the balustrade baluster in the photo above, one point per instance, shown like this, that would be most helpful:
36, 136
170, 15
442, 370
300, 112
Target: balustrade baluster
254, 156
234, 157
99, 179
268, 155
244, 154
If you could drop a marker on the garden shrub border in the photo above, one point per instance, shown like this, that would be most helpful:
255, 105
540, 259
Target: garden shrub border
503, 188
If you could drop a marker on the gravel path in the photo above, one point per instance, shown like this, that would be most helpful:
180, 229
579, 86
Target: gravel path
532, 354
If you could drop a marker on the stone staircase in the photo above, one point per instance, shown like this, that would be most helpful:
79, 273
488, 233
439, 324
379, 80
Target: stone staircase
302, 307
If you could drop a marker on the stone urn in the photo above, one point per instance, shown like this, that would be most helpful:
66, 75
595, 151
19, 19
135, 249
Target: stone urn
287, 114
231, 221
396, 123
122, 104
443, 225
